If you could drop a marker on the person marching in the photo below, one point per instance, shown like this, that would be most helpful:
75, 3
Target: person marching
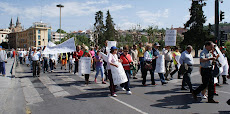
175, 54
99, 67
225, 67
45, 58
87, 54
3, 60
77, 55
206, 59
64, 58
186, 60
141, 51
168, 61
134, 54
126, 62
148, 58
155, 53
112, 58
36, 55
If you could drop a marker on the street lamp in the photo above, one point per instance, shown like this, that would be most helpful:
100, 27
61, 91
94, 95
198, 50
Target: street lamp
60, 6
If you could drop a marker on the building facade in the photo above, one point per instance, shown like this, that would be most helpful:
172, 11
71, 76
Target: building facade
4, 34
55, 36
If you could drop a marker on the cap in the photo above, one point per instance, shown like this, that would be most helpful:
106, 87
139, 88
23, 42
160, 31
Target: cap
113, 48
156, 44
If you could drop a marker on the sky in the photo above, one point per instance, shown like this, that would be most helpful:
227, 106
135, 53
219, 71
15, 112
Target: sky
126, 14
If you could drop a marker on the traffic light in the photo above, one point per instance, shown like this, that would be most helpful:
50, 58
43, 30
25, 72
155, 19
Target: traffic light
221, 15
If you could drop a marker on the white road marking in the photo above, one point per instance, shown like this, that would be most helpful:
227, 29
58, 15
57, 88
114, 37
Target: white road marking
138, 110
56, 90
31, 94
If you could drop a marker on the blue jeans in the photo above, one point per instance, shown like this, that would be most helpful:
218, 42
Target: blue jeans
2, 68
161, 75
99, 69
126, 85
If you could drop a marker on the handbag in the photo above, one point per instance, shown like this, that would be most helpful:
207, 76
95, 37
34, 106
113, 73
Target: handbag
131, 66
148, 65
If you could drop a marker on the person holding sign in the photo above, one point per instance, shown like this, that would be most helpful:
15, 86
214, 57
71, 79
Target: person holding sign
87, 54
176, 56
112, 58
127, 62
156, 53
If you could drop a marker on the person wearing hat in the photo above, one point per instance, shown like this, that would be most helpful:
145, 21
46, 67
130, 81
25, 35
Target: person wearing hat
112, 58
3, 60
155, 53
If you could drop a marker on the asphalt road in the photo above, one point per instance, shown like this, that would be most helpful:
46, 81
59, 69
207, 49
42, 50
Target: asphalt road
62, 92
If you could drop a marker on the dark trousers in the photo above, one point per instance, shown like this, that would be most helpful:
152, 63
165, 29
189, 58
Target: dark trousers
144, 74
112, 86
45, 64
36, 67
186, 78
51, 64
176, 69
126, 85
141, 65
21, 60
105, 71
76, 67
86, 77
2, 68
208, 81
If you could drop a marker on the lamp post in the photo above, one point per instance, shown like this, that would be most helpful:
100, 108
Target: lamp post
60, 6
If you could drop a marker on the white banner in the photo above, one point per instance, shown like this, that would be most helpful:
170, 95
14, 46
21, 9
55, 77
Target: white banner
225, 68
160, 64
84, 65
170, 37
110, 44
221, 58
65, 47
118, 74
103, 56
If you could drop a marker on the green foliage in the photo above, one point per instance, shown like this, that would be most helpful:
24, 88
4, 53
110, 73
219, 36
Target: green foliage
110, 32
62, 31
82, 39
144, 39
99, 29
227, 44
152, 30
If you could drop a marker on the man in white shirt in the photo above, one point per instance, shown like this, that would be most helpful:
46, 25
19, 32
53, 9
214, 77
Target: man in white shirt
168, 61
35, 55
135, 58
20, 55
3, 58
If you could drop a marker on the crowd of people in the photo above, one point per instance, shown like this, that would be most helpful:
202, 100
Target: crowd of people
137, 58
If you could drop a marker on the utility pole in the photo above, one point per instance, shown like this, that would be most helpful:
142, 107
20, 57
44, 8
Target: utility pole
60, 6
217, 22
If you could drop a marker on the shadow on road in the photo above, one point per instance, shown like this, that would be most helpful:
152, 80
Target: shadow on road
175, 102
89, 95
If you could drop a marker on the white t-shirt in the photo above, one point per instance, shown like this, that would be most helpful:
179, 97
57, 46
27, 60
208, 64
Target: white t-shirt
112, 58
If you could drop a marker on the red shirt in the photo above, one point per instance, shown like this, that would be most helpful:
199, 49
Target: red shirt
14, 53
125, 62
77, 54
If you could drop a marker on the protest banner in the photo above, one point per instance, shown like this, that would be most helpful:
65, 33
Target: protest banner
65, 47
84, 65
103, 56
225, 68
110, 44
221, 58
118, 74
170, 37
160, 64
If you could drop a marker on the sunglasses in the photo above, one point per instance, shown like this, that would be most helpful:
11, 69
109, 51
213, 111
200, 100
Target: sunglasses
126, 51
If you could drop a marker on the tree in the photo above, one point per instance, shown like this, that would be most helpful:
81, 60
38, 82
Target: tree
144, 39
99, 28
196, 35
62, 31
110, 32
151, 30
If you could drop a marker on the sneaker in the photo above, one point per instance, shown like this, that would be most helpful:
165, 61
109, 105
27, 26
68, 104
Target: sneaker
128, 92
103, 82
212, 101
114, 95
135, 78
164, 83
122, 89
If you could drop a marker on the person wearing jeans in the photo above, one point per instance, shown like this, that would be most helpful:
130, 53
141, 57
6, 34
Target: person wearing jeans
99, 67
3, 58
126, 60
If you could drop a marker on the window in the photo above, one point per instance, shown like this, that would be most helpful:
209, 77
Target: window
39, 37
39, 42
39, 31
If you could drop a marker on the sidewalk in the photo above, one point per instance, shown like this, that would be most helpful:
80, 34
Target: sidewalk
11, 99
